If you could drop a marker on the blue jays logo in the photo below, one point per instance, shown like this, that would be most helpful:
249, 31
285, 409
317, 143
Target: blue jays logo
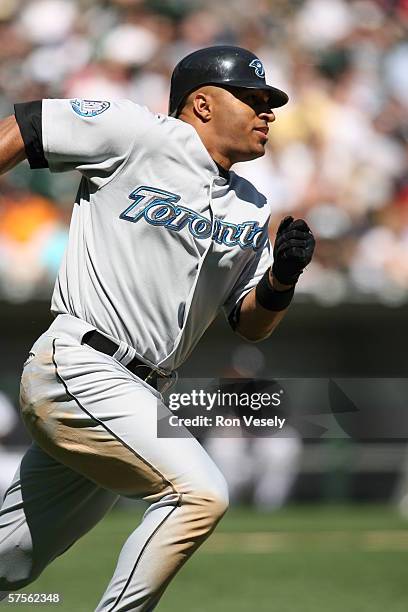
259, 69
89, 108
161, 208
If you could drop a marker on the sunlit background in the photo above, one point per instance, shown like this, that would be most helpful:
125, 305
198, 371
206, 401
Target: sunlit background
338, 151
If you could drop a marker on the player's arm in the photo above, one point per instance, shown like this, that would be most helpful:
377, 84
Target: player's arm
93, 137
12, 150
256, 322
265, 306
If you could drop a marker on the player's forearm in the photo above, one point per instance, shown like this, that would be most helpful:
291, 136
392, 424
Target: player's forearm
11, 144
255, 322
265, 306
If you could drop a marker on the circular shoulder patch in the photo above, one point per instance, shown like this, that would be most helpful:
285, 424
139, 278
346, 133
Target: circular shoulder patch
89, 108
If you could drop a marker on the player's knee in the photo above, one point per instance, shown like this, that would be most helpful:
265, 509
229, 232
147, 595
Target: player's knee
218, 506
13, 578
16, 567
10, 582
214, 501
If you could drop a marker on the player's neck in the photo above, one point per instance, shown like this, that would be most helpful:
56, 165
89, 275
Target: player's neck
220, 158
211, 143
222, 162
224, 173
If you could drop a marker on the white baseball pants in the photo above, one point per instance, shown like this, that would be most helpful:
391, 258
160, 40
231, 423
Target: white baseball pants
93, 425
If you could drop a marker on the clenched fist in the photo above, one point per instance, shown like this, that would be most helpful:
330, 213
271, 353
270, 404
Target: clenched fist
292, 251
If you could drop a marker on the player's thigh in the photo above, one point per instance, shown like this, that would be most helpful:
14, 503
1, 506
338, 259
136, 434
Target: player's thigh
47, 508
88, 412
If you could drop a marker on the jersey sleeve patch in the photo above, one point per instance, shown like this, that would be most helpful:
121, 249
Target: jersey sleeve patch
89, 108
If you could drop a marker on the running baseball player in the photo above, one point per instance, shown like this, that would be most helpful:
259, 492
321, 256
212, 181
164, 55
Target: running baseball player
163, 236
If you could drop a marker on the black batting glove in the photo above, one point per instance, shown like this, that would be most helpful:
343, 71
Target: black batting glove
292, 251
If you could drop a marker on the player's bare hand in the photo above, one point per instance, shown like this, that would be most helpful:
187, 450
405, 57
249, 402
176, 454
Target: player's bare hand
293, 250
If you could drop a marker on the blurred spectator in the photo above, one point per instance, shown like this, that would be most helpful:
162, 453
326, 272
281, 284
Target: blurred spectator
32, 241
337, 155
261, 470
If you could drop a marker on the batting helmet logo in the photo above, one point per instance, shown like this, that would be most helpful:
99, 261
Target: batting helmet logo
259, 69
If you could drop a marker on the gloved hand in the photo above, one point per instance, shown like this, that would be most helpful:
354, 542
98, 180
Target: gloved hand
292, 251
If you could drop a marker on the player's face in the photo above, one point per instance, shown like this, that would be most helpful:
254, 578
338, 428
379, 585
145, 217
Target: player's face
241, 118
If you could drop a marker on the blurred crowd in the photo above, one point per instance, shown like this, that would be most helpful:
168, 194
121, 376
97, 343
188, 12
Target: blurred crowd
337, 154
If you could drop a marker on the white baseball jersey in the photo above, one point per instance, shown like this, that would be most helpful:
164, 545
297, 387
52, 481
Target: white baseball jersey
159, 240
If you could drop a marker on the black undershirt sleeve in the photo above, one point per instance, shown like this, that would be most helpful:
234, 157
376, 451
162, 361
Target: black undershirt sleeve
29, 119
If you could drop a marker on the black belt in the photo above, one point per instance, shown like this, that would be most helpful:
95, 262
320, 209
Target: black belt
103, 344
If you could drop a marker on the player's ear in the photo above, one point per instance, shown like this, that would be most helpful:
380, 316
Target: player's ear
202, 106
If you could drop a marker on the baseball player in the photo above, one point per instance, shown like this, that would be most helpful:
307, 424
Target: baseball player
163, 235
